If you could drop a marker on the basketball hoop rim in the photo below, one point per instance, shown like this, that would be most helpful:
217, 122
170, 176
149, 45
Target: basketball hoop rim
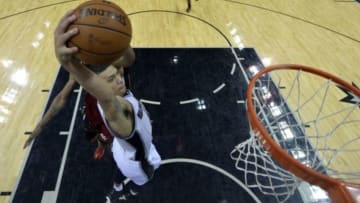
335, 188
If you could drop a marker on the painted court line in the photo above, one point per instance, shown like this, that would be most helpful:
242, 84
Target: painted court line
233, 69
150, 102
64, 133
189, 101
219, 88
51, 196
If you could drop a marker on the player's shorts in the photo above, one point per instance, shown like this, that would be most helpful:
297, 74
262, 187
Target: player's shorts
133, 169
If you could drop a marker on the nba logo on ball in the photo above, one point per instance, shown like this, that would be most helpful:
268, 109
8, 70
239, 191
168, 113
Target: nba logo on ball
106, 14
104, 32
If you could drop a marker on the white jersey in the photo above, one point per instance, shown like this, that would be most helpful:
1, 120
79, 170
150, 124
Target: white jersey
131, 153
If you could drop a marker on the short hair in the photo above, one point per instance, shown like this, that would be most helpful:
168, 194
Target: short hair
97, 68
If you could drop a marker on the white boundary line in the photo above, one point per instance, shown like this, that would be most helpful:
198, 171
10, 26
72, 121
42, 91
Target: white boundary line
71, 128
51, 196
239, 64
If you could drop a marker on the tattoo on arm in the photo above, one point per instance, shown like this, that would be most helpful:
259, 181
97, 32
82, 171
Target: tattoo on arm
120, 109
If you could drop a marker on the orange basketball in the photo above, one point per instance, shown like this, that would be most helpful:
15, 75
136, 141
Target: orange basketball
104, 32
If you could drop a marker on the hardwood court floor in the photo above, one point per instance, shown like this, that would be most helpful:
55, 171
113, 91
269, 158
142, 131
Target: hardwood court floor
323, 34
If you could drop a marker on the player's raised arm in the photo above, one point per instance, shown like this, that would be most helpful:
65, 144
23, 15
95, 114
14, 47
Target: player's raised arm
114, 107
56, 105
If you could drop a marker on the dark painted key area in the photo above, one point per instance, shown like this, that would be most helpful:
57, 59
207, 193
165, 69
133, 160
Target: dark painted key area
192, 96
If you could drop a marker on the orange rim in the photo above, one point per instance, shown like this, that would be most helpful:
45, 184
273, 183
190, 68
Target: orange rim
335, 188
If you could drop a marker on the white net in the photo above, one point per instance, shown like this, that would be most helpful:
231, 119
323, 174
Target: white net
262, 172
313, 119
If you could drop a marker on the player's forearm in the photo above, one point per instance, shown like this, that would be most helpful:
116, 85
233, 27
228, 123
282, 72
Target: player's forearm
91, 82
57, 104
48, 116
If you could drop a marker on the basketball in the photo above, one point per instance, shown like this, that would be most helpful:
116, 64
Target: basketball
104, 32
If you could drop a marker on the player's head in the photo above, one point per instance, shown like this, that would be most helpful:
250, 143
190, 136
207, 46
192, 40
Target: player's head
113, 76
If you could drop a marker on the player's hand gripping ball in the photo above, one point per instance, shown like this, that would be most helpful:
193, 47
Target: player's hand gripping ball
104, 32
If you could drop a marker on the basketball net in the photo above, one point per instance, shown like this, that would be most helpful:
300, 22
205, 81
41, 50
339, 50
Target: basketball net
305, 126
